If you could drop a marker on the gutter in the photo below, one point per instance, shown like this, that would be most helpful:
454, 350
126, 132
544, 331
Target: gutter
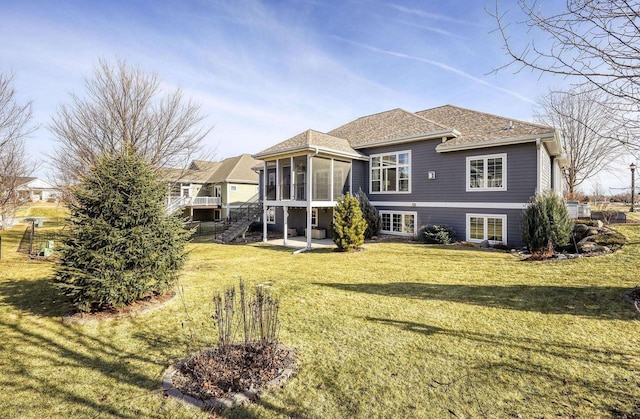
444, 148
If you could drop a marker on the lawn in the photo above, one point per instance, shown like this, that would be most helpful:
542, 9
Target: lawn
400, 330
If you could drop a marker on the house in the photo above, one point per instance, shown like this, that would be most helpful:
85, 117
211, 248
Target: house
470, 170
209, 190
36, 189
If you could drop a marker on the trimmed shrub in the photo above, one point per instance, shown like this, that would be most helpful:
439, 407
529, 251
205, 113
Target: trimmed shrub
437, 234
348, 227
546, 224
122, 245
371, 216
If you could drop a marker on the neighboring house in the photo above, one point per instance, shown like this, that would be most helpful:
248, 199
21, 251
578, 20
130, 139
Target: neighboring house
209, 190
36, 189
472, 171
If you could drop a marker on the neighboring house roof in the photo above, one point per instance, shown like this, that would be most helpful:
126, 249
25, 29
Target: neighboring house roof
482, 129
233, 169
310, 140
29, 182
459, 128
381, 127
23, 180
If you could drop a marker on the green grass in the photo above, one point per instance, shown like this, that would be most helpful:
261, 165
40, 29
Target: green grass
400, 330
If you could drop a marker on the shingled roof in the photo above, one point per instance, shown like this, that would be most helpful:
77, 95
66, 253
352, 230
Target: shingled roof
232, 169
462, 128
384, 126
477, 128
311, 139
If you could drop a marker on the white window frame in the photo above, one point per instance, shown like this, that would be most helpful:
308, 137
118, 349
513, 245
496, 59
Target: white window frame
485, 217
485, 158
271, 215
402, 214
314, 217
371, 169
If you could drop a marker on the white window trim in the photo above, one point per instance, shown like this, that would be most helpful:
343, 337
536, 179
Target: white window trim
485, 157
314, 213
485, 217
397, 178
271, 221
403, 213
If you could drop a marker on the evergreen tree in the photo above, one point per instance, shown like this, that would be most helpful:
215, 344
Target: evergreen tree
371, 216
546, 224
122, 245
348, 225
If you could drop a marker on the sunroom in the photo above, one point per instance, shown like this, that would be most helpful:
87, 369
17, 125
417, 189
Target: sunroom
301, 181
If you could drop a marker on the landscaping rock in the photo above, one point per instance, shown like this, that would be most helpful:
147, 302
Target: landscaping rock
598, 224
485, 244
592, 231
580, 231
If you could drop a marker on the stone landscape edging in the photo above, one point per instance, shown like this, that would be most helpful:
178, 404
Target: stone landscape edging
237, 399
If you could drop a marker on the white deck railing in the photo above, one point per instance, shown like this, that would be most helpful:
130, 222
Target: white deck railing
195, 201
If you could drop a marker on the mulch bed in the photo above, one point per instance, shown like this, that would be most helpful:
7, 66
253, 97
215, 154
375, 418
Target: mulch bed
136, 308
216, 374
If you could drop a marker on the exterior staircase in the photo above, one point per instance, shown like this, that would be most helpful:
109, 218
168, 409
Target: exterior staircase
174, 205
241, 218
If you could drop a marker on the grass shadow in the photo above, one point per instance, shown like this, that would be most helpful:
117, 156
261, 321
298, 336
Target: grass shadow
63, 347
520, 362
35, 296
597, 302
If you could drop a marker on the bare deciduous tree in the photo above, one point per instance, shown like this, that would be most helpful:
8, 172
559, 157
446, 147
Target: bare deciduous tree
125, 105
585, 125
14, 129
596, 43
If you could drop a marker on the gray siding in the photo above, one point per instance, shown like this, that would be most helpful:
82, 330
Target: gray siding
450, 182
360, 176
456, 218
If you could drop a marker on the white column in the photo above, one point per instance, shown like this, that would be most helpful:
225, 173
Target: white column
286, 224
264, 202
309, 195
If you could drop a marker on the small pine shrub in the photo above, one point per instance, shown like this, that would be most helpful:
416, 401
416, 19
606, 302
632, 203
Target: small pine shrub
546, 224
371, 216
438, 234
348, 227
122, 246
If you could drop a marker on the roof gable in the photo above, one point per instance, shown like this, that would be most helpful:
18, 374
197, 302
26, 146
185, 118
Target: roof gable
310, 139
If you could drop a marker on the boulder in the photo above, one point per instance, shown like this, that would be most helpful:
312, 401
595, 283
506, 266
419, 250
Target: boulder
598, 224
580, 231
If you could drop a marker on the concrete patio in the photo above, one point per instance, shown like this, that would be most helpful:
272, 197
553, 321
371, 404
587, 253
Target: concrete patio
300, 242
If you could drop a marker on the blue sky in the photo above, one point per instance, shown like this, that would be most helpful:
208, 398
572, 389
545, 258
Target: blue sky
265, 71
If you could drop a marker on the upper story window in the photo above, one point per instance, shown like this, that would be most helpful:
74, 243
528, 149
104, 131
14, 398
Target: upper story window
233, 188
487, 173
391, 172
